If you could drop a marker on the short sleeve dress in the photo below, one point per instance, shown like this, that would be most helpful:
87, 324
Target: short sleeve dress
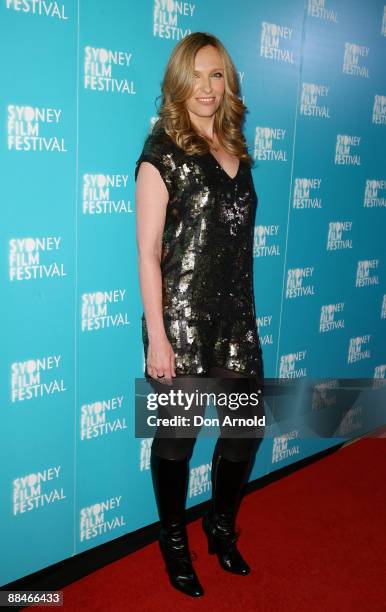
206, 261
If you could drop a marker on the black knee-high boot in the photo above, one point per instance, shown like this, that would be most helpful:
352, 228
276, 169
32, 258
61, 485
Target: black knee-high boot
170, 481
219, 523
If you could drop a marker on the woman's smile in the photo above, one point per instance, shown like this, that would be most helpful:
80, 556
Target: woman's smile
206, 100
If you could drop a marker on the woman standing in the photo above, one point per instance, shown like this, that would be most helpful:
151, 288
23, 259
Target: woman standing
196, 205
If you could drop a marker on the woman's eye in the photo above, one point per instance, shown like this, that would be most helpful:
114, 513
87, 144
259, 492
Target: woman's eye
216, 74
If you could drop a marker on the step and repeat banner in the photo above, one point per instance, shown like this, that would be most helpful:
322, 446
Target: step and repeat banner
80, 87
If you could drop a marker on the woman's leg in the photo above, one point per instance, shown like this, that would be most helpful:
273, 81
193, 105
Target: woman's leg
169, 460
232, 462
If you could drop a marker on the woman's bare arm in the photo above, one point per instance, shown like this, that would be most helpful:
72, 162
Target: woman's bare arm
152, 198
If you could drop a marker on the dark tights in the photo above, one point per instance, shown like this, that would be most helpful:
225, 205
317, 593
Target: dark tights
233, 449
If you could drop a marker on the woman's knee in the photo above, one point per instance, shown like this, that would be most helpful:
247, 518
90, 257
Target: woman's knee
175, 449
238, 449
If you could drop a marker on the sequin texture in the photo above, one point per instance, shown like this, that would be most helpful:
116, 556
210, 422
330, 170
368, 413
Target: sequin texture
206, 261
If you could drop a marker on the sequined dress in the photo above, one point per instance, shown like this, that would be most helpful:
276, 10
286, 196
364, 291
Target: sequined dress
206, 261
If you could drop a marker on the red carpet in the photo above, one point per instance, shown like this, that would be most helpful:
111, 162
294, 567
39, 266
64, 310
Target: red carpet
316, 540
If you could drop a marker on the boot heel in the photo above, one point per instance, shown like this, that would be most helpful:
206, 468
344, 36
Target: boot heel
211, 548
211, 544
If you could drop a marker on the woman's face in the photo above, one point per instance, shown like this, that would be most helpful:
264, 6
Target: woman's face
209, 85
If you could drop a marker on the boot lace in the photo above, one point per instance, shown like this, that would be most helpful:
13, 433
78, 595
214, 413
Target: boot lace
178, 549
226, 529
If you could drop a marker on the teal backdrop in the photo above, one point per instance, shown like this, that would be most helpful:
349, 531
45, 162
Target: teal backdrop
80, 80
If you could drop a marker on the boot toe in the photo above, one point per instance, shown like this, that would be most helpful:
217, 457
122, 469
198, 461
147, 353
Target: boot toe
233, 562
188, 585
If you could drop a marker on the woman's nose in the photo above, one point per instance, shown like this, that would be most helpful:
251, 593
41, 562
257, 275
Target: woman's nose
206, 85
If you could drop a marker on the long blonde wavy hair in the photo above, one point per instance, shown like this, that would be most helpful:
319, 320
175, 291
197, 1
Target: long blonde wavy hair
177, 87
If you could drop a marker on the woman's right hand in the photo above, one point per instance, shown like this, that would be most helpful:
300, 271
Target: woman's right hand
160, 360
